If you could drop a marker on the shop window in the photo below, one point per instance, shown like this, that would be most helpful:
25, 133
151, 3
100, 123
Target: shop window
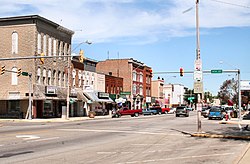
13, 106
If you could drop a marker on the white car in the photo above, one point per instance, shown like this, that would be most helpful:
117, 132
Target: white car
172, 110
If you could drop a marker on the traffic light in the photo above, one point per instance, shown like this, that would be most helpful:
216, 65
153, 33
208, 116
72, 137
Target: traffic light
3, 70
81, 57
42, 59
19, 72
181, 71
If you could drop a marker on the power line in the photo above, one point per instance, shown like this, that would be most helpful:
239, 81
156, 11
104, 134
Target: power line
233, 4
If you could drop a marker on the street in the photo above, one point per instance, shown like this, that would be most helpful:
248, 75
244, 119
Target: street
144, 139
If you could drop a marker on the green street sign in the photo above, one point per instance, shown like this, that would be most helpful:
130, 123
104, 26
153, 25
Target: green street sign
25, 73
190, 98
125, 93
216, 71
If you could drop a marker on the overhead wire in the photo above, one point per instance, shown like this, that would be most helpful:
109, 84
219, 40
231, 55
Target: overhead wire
233, 4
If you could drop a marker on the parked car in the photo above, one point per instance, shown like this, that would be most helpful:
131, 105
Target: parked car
172, 110
205, 112
148, 111
190, 109
215, 113
126, 111
165, 110
182, 110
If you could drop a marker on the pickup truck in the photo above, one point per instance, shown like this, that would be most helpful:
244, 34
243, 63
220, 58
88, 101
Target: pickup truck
126, 111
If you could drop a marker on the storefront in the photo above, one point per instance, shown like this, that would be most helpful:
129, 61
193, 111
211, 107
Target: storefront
99, 102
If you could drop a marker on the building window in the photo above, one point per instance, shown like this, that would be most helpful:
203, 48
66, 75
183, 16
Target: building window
141, 77
39, 43
54, 77
14, 78
65, 50
50, 47
134, 89
54, 47
14, 43
14, 106
74, 77
141, 90
38, 75
59, 78
49, 77
44, 76
134, 76
44, 45
63, 79
79, 79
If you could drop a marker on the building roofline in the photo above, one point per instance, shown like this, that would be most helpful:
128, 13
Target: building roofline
59, 27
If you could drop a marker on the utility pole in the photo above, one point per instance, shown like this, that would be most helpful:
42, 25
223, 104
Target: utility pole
198, 79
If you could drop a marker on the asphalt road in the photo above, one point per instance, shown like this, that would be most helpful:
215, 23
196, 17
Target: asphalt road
126, 140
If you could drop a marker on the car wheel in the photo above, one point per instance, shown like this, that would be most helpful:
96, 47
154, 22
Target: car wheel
159, 113
116, 115
151, 113
176, 115
136, 114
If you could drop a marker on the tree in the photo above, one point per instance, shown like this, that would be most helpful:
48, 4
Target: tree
228, 91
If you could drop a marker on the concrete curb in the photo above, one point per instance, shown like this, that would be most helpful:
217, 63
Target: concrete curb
207, 135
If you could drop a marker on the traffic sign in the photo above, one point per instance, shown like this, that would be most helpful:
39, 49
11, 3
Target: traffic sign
25, 73
198, 87
198, 75
216, 71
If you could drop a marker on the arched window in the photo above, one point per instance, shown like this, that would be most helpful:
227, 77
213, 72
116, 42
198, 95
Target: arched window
49, 77
14, 43
59, 78
14, 78
38, 79
44, 76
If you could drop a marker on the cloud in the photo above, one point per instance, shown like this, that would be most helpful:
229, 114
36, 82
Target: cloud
132, 20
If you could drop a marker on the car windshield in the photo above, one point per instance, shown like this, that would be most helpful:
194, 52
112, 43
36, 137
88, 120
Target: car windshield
180, 108
215, 110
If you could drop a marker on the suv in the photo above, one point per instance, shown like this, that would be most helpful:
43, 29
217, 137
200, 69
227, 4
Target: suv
181, 110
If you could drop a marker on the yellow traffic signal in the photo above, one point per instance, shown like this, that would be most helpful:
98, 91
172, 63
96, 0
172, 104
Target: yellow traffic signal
181, 71
42, 59
3, 70
81, 57
19, 72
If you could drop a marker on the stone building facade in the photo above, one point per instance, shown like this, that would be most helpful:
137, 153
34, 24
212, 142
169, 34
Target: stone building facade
32, 36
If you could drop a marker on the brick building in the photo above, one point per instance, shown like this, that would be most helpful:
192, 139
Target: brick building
136, 79
157, 91
29, 36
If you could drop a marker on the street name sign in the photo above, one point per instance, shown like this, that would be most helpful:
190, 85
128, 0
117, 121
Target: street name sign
216, 71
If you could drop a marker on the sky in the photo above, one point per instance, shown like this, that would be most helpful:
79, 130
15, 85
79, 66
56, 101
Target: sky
159, 33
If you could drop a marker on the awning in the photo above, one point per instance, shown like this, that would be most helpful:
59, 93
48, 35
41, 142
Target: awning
94, 98
80, 96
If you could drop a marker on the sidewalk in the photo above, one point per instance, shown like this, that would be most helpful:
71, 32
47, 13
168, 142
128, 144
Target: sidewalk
55, 119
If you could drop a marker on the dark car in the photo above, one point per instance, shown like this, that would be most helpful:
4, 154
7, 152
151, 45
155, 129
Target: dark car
215, 113
205, 112
181, 111
148, 111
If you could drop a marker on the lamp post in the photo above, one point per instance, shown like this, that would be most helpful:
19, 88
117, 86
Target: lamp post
68, 81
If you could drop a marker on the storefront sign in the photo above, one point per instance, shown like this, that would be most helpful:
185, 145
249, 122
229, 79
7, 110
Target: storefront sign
148, 99
103, 95
245, 85
125, 93
50, 90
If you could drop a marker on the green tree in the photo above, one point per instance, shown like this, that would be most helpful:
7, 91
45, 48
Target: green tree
228, 91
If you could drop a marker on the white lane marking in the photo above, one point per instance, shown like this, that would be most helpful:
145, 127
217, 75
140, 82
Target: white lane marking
27, 137
147, 144
178, 158
1, 145
106, 152
119, 131
44, 139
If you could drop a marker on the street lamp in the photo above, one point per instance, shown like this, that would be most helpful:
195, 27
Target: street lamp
68, 83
